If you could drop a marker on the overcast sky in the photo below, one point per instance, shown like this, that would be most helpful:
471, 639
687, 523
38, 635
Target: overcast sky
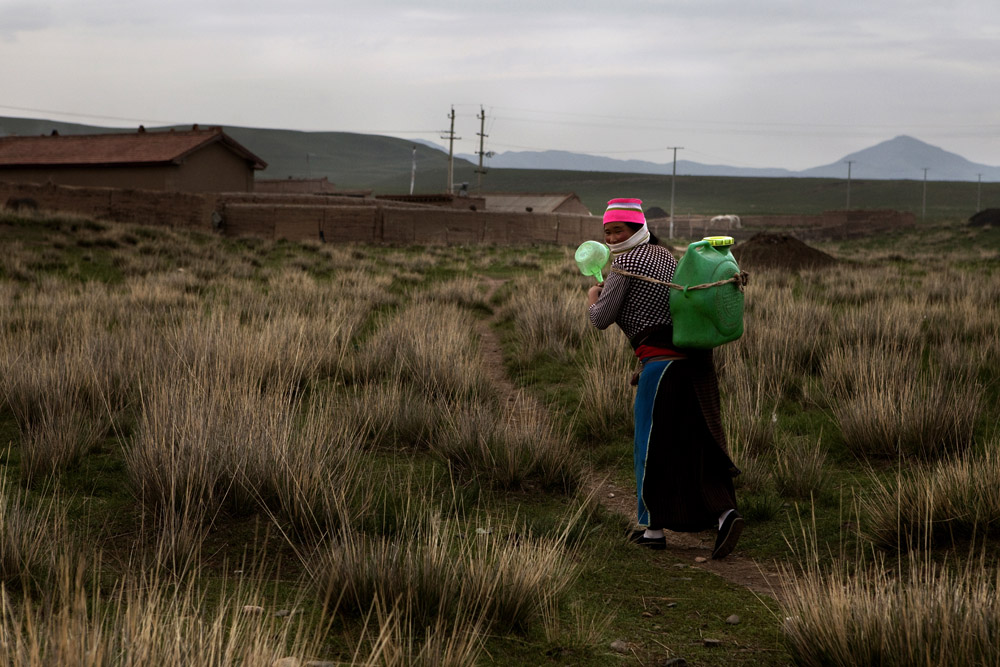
763, 83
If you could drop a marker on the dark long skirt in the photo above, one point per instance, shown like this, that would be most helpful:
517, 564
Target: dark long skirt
684, 477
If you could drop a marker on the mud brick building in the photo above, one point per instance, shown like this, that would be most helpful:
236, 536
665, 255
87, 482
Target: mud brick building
197, 160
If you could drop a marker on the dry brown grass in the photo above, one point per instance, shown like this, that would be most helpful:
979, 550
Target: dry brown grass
606, 396
147, 622
873, 616
800, 470
510, 448
953, 500
921, 416
435, 571
64, 400
31, 537
301, 383
431, 347
549, 316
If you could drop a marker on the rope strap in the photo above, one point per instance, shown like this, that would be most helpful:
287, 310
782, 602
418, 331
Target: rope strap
741, 279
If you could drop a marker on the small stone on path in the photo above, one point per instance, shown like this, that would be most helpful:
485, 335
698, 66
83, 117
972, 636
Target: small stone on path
701, 559
619, 646
733, 620
711, 642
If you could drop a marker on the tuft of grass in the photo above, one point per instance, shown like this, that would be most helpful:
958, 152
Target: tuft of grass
550, 318
315, 477
872, 616
511, 449
761, 505
393, 414
31, 536
147, 620
913, 415
953, 500
800, 470
435, 571
748, 412
605, 393
428, 345
57, 405
466, 292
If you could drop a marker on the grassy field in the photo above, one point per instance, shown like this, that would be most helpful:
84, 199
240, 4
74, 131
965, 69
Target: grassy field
716, 195
267, 453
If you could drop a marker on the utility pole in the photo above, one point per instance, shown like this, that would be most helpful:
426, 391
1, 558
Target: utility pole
849, 163
413, 170
482, 129
979, 194
451, 153
673, 179
923, 207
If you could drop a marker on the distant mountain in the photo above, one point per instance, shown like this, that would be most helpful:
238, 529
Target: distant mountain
905, 158
902, 158
564, 160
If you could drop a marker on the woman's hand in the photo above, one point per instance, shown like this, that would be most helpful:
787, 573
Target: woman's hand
594, 293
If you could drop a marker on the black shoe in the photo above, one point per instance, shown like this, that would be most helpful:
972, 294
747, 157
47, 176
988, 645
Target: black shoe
729, 535
656, 543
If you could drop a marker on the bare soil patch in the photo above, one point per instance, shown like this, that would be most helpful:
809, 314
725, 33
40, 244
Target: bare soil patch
782, 251
988, 217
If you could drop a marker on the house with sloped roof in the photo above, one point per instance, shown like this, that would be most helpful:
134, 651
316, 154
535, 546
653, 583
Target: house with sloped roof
512, 202
196, 160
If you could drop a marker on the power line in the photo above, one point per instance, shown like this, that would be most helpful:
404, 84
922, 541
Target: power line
89, 115
482, 136
673, 179
849, 163
451, 152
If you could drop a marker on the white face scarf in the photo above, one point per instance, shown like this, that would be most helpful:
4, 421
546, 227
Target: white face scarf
640, 237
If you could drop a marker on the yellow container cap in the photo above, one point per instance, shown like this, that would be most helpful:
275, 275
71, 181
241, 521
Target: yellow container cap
719, 240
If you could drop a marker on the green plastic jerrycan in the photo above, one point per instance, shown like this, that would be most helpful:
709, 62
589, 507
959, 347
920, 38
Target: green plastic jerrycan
707, 318
591, 257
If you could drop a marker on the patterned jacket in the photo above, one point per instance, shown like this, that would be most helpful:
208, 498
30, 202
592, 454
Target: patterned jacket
636, 305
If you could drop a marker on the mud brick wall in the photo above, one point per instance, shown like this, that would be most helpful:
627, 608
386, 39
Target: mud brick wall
356, 224
300, 199
445, 226
403, 225
171, 209
365, 220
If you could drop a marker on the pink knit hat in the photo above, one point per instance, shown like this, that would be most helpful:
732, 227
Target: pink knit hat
624, 210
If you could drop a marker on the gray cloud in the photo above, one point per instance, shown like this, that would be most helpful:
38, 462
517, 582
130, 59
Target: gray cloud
21, 17
769, 83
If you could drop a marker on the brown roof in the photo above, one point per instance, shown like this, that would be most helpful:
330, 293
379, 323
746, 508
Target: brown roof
521, 201
135, 148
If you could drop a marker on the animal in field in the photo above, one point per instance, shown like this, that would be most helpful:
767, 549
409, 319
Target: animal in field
730, 221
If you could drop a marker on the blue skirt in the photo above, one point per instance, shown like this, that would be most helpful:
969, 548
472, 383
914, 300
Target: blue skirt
684, 480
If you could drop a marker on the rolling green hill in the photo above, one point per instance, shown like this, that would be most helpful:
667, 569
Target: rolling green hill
383, 165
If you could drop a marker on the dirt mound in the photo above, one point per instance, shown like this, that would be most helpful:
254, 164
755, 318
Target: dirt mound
765, 250
656, 213
988, 216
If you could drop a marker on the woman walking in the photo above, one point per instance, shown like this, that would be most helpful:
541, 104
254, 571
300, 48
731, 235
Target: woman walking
684, 476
